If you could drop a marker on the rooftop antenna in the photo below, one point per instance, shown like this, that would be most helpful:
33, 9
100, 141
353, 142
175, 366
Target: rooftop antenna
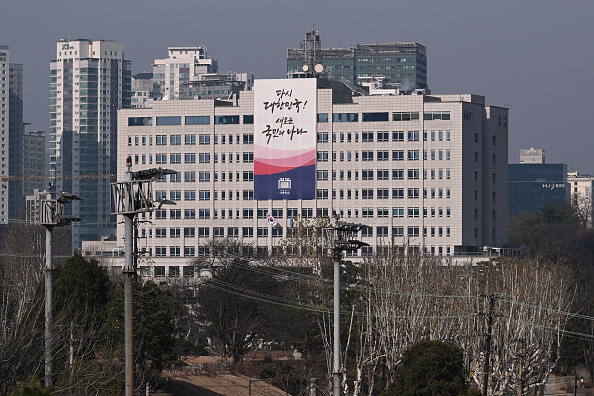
312, 53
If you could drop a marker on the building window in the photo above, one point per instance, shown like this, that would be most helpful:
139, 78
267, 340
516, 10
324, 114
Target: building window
172, 120
367, 137
413, 193
436, 115
383, 155
398, 155
413, 231
405, 116
345, 117
174, 251
398, 193
197, 120
382, 232
367, 155
397, 231
398, 136
227, 119
203, 213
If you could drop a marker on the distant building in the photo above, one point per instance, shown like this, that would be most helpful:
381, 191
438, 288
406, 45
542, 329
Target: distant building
142, 90
402, 65
582, 188
217, 86
534, 183
189, 73
32, 209
4, 131
11, 132
184, 65
33, 162
89, 82
532, 156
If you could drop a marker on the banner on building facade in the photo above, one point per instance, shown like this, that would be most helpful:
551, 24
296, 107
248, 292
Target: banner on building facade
285, 117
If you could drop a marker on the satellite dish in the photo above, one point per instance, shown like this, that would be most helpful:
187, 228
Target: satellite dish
319, 68
305, 68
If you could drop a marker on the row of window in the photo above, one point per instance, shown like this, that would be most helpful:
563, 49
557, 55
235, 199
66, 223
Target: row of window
277, 232
412, 231
203, 251
322, 118
176, 140
384, 174
384, 155
383, 136
385, 116
384, 193
189, 120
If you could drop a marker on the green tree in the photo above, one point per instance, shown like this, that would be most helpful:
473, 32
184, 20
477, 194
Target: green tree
231, 306
430, 368
33, 389
154, 330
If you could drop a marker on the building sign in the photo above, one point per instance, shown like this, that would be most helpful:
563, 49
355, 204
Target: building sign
553, 186
285, 139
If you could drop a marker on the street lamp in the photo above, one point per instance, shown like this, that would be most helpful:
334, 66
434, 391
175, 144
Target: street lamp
51, 214
132, 196
344, 239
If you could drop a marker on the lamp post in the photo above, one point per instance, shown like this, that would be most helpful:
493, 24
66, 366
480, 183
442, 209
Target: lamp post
132, 196
51, 214
344, 234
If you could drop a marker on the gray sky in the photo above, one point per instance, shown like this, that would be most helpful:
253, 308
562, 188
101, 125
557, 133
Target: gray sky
535, 55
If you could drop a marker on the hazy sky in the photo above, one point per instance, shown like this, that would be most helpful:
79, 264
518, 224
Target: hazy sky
535, 55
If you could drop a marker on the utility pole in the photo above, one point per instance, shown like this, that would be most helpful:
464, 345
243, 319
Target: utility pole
129, 274
344, 234
488, 345
130, 197
51, 214
49, 293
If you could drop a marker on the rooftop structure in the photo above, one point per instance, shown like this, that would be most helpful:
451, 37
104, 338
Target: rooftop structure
402, 65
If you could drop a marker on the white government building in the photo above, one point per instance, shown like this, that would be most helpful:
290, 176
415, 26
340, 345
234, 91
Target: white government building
425, 171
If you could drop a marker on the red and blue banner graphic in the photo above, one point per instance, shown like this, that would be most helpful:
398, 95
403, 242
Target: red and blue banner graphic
285, 116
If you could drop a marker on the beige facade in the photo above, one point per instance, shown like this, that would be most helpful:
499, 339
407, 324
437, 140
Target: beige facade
429, 171
581, 195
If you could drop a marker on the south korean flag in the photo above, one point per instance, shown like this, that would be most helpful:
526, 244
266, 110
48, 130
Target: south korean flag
271, 220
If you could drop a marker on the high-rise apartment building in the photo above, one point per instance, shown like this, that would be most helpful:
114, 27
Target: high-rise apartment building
399, 64
11, 135
15, 151
4, 128
89, 81
33, 162
425, 171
